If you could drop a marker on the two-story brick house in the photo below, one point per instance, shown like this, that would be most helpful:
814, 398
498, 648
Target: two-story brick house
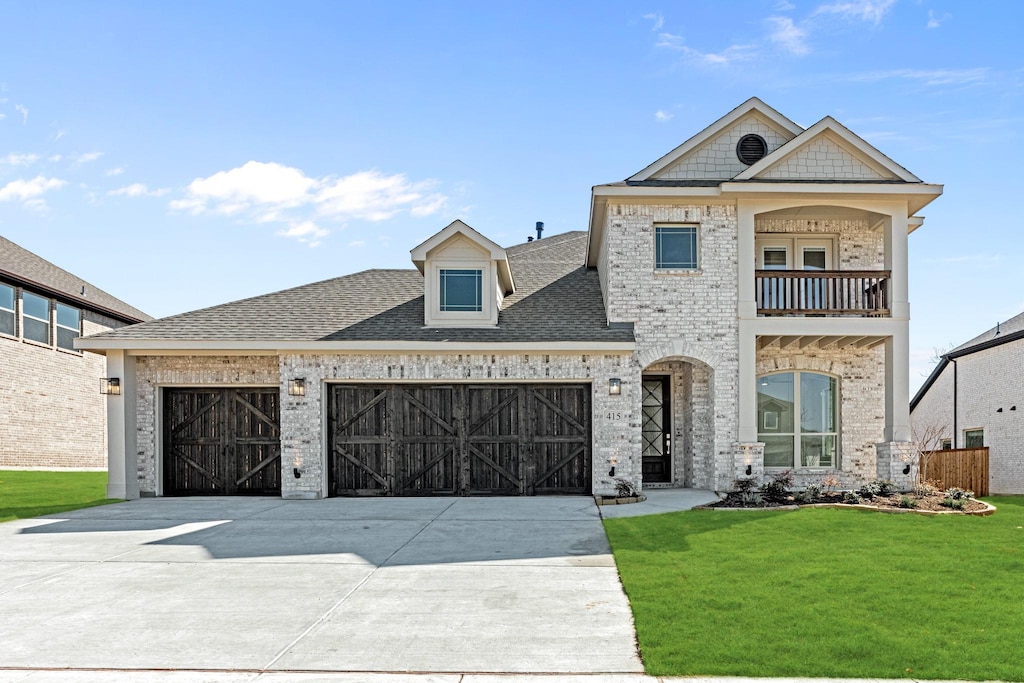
737, 307
52, 414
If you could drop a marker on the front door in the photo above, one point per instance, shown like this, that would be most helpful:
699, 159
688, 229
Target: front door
657, 431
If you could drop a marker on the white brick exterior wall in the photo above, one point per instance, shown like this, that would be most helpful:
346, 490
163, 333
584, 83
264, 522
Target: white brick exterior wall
716, 158
52, 414
823, 158
684, 317
860, 247
986, 381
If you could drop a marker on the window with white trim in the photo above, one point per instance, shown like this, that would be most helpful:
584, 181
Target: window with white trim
974, 438
35, 318
675, 247
461, 290
8, 321
69, 326
797, 419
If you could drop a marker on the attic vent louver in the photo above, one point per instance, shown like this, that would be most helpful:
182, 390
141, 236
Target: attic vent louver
751, 149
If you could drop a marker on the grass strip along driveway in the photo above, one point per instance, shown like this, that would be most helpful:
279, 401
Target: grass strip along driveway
32, 493
827, 593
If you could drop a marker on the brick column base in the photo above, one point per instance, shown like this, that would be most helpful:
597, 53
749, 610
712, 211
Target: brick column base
897, 462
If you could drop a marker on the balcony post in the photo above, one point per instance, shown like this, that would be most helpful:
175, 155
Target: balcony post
895, 234
745, 259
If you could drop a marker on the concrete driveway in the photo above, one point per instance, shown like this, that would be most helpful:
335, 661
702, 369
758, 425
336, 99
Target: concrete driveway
359, 585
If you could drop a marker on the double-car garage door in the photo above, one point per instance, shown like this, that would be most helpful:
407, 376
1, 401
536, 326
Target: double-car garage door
388, 440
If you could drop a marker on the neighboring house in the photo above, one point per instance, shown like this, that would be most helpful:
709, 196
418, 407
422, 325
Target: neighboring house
737, 308
974, 397
52, 414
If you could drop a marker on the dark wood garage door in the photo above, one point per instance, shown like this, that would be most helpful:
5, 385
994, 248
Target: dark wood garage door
415, 440
222, 441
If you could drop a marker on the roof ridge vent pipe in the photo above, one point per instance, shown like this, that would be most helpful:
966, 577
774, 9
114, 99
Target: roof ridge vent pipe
540, 229
529, 239
997, 329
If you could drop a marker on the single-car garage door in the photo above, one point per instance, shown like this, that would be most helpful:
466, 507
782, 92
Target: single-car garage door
416, 440
222, 441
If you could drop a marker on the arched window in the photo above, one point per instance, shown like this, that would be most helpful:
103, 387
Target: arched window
797, 419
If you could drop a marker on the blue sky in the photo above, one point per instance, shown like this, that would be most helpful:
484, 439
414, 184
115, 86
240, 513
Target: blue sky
185, 154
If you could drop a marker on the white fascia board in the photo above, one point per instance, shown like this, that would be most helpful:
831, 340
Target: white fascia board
918, 195
754, 104
148, 346
851, 139
595, 232
914, 222
419, 252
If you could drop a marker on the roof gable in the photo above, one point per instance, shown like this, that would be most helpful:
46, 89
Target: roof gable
488, 249
711, 153
828, 150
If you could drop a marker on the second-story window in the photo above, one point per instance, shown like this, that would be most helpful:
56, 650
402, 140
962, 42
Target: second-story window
35, 318
7, 319
675, 247
69, 326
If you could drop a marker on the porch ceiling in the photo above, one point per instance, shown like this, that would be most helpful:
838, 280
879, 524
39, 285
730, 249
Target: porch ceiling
819, 341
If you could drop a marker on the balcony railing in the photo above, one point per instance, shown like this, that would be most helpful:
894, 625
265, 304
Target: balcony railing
822, 292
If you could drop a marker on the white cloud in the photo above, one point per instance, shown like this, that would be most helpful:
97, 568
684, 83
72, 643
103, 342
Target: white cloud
23, 110
932, 77
934, 21
355, 244
662, 115
55, 158
87, 157
29, 191
267, 192
784, 6
115, 171
307, 232
14, 159
59, 134
658, 20
3, 116
788, 36
138, 190
670, 41
865, 10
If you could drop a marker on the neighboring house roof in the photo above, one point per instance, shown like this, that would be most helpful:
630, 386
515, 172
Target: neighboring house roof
34, 272
1003, 333
557, 299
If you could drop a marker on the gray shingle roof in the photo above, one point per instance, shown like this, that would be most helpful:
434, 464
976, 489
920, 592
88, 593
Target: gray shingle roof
1013, 326
35, 272
557, 299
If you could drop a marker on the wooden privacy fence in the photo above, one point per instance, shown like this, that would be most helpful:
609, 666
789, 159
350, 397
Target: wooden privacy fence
966, 468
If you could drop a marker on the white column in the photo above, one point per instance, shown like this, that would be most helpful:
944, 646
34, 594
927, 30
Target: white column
747, 399
122, 477
897, 386
895, 234
745, 260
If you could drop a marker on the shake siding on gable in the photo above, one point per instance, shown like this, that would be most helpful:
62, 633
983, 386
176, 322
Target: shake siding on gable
716, 158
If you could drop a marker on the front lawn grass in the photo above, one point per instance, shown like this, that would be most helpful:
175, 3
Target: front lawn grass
827, 593
30, 494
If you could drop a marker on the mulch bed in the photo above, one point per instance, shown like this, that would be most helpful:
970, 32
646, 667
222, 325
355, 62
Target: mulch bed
931, 503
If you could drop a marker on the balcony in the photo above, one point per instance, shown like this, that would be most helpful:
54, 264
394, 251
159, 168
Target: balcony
822, 292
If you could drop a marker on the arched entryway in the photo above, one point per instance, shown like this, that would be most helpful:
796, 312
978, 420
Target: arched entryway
677, 423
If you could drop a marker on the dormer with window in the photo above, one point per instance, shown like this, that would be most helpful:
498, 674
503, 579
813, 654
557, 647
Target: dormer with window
465, 278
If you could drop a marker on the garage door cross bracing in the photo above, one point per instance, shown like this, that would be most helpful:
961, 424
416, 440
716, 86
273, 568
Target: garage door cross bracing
411, 440
222, 441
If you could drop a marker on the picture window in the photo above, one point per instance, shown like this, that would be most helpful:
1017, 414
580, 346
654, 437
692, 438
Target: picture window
675, 247
461, 290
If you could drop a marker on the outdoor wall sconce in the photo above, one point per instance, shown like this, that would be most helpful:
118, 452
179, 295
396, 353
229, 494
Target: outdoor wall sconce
297, 473
614, 386
111, 386
750, 470
297, 386
611, 472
